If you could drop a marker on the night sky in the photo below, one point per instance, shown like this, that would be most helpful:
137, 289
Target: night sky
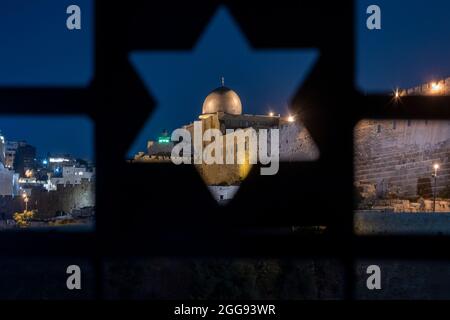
36, 49
412, 47
57, 135
265, 80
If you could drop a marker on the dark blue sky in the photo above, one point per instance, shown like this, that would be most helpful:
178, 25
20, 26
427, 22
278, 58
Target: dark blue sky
56, 134
265, 80
36, 49
413, 46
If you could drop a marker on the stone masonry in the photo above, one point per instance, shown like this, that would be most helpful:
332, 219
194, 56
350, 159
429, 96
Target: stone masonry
395, 158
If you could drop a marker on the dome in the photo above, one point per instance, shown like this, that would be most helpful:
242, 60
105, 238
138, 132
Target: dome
222, 99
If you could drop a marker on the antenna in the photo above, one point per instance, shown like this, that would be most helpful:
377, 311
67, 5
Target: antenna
223, 81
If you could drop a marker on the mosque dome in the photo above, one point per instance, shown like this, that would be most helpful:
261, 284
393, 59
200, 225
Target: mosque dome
222, 99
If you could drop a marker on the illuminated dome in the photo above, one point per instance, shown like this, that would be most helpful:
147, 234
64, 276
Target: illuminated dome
222, 99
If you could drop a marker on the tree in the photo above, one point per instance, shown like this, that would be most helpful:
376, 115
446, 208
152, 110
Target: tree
22, 219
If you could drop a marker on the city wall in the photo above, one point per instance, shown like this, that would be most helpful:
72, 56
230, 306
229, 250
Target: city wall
48, 203
296, 144
395, 158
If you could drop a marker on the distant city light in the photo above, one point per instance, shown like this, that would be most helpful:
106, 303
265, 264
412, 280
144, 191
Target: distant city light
58, 160
291, 118
397, 94
45, 162
436, 166
271, 114
28, 173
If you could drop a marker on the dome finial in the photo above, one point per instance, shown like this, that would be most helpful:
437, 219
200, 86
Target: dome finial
223, 81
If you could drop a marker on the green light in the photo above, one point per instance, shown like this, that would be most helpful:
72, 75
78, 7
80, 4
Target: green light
163, 140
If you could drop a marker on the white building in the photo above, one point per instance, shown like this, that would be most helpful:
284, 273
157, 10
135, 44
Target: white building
10, 152
2, 149
70, 176
9, 185
223, 193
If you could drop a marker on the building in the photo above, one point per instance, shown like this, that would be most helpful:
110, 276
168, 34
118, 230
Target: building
56, 184
71, 176
222, 109
24, 158
9, 185
162, 147
10, 152
56, 162
2, 149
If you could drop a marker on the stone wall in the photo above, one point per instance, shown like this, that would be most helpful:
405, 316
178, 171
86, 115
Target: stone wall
223, 174
440, 87
47, 203
402, 205
65, 198
296, 144
223, 193
396, 157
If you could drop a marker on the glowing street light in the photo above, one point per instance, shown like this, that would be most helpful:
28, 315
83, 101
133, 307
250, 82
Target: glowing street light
435, 87
25, 199
28, 173
434, 175
291, 118
271, 114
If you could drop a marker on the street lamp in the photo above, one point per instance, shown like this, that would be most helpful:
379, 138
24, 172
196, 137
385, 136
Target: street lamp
434, 175
435, 87
25, 199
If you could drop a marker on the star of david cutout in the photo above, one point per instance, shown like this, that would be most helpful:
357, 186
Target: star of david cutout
223, 63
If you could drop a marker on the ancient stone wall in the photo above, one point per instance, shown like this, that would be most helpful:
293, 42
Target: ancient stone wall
397, 157
223, 174
296, 144
47, 203
440, 87
65, 198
